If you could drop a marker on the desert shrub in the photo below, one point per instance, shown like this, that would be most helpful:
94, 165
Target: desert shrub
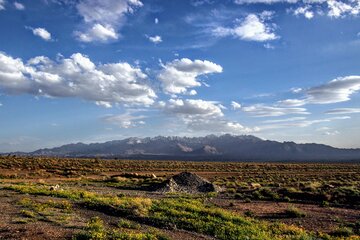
342, 232
249, 213
94, 230
324, 204
231, 190
294, 212
247, 200
286, 199
27, 213
123, 223
238, 196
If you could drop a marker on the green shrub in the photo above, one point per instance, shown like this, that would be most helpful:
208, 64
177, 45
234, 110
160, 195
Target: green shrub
342, 232
294, 212
123, 223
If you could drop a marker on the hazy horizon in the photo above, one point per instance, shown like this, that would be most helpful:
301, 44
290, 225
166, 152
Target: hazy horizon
95, 71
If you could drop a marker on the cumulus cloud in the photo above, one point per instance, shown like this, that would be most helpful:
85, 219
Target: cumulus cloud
260, 110
97, 32
343, 111
219, 126
191, 108
338, 9
305, 11
201, 115
103, 18
181, 74
41, 32
252, 28
125, 120
19, 6
337, 90
76, 76
235, 105
155, 39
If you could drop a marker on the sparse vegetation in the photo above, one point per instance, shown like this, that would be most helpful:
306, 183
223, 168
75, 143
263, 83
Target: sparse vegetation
87, 184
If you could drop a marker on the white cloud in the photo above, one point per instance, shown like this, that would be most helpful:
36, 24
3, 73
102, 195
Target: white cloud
252, 28
192, 108
296, 90
301, 123
337, 90
2, 4
292, 102
285, 120
125, 120
201, 115
305, 11
76, 76
331, 133
235, 105
156, 20
179, 75
155, 39
103, 104
97, 32
103, 18
343, 111
41, 32
19, 6
328, 131
260, 110
334, 8
219, 126
338, 9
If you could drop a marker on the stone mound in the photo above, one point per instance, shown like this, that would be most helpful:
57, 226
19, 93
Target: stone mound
188, 183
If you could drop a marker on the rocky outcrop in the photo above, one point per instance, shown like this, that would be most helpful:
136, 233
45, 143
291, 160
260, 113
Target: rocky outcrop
187, 182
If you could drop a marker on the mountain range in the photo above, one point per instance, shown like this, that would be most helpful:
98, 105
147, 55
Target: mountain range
225, 148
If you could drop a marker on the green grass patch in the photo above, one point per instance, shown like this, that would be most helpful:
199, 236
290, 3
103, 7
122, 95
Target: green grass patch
195, 215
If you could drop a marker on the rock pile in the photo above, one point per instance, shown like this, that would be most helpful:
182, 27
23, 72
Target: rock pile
187, 182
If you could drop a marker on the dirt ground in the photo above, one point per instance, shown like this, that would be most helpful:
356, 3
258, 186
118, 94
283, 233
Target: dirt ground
316, 218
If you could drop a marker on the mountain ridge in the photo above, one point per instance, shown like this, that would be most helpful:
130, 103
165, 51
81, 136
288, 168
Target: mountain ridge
224, 147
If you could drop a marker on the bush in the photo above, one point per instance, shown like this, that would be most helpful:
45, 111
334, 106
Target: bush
249, 213
123, 223
342, 232
294, 212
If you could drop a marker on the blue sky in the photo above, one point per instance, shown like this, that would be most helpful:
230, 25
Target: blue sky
92, 70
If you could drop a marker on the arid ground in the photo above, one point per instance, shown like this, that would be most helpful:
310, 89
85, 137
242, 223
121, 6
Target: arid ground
53, 198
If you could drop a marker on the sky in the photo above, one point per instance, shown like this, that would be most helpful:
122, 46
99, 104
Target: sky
100, 70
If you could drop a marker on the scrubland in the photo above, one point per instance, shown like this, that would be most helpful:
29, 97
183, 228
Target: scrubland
55, 198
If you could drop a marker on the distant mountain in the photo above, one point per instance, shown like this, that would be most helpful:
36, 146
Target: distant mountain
225, 147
